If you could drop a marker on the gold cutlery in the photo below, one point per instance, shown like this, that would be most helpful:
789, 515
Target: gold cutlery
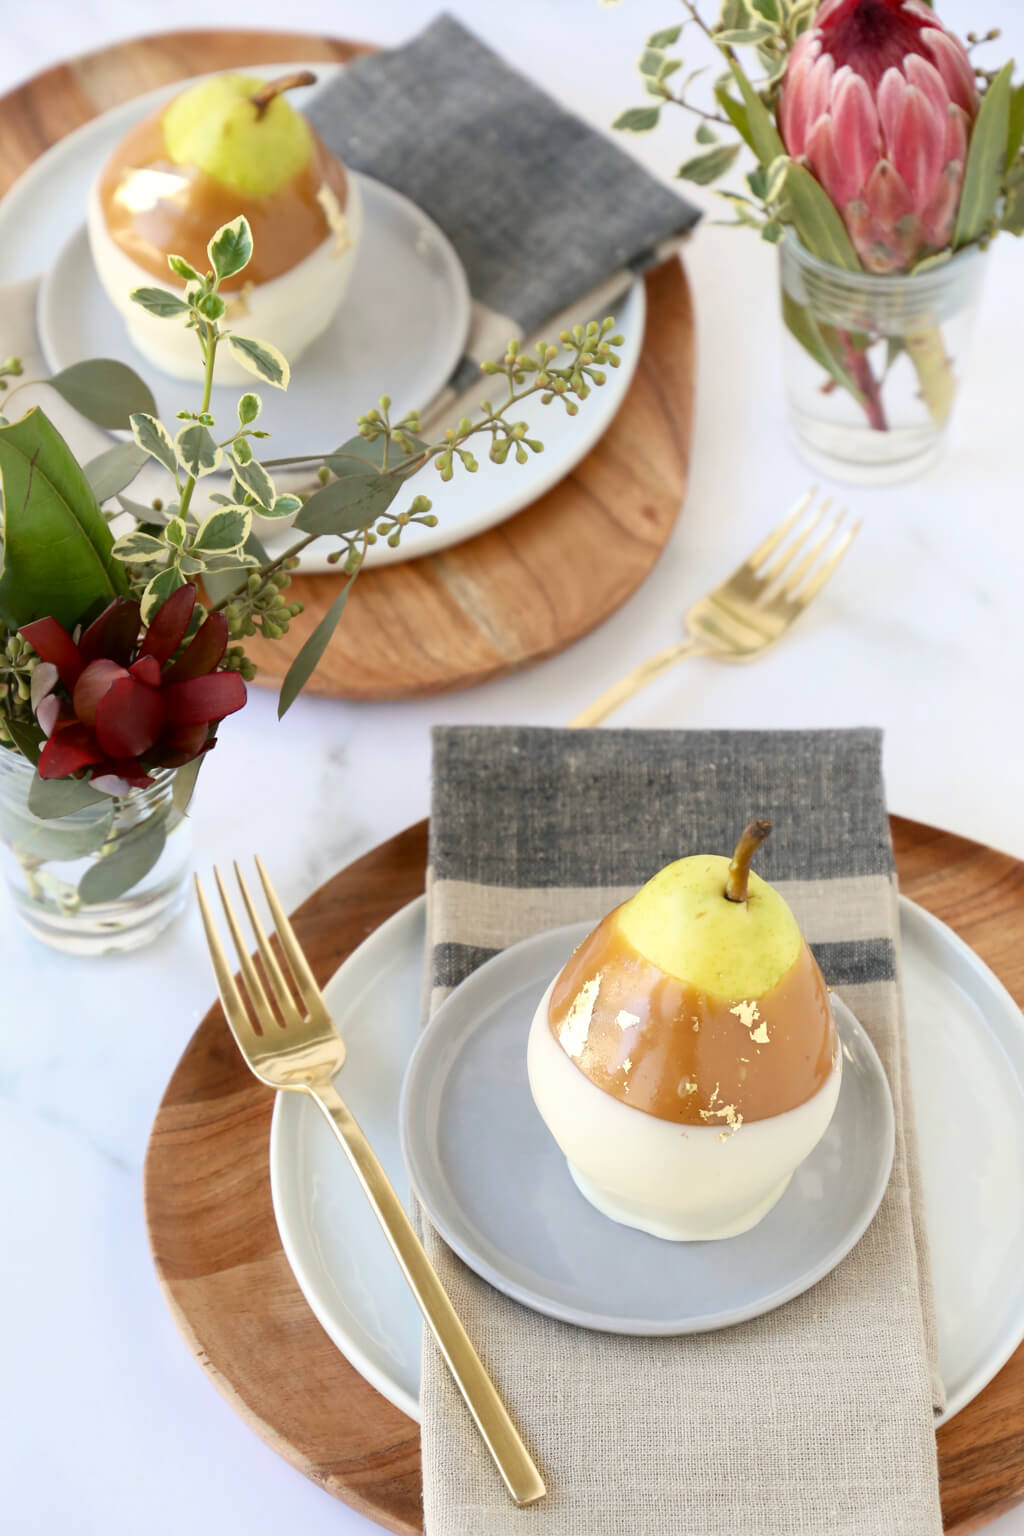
753, 607
288, 1040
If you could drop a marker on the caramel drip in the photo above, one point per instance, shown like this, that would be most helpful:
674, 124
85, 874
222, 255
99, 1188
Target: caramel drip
154, 208
687, 1056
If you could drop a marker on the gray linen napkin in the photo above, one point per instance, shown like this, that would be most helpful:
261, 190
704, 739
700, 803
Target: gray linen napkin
816, 1419
545, 213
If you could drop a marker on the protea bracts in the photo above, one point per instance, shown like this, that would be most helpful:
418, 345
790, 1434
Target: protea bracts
118, 705
879, 99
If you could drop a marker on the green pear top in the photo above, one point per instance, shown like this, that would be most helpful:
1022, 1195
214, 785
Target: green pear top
240, 131
713, 923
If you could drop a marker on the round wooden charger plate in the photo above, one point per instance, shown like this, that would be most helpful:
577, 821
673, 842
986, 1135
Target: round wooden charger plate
508, 597
227, 1282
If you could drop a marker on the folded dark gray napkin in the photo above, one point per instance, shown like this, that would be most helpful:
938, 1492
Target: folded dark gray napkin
544, 212
818, 1417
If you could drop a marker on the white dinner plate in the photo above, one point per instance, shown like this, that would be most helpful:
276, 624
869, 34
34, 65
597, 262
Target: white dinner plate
400, 331
966, 1044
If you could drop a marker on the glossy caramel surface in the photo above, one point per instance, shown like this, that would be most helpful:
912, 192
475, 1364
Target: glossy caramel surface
154, 208
686, 1056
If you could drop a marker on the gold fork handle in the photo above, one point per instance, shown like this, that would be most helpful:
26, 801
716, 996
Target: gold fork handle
632, 683
513, 1460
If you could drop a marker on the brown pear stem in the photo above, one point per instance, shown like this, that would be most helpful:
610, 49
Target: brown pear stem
262, 98
739, 868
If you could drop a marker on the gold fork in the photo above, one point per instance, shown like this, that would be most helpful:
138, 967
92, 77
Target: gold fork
295, 1047
753, 607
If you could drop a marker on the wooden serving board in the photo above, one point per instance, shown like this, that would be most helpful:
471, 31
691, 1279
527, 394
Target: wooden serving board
508, 597
227, 1282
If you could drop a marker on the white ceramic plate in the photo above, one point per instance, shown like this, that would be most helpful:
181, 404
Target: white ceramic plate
411, 355
966, 1040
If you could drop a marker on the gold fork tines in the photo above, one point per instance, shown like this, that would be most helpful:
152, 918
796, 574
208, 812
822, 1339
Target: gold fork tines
287, 1039
752, 608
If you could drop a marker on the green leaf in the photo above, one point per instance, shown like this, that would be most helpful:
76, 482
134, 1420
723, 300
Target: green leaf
665, 38
773, 231
103, 391
706, 134
184, 785
184, 269
929, 263
249, 407
49, 798
704, 169
986, 161
222, 583
736, 112
137, 548
637, 120
305, 663
762, 134
160, 588
650, 63
803, 325
231, 248
357, 454
160, 302
57, 548
1013, 207
196, 450
132, 857
155, 440
265, 361
738, 37
770, 10
27, 737
112, 471
821, 230
353, 502
257, 482
285, 506
58, 837
223, 531
1015, 133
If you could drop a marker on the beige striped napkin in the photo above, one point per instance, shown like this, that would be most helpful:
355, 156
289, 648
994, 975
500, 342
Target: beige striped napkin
816, 1419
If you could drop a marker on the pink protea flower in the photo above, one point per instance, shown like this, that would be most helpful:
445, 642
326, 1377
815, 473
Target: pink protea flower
118, 705
879, 99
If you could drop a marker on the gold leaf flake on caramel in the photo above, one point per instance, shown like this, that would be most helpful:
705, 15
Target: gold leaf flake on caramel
576, 1026
687, 1086
626, 1020
335, 216
748, 1014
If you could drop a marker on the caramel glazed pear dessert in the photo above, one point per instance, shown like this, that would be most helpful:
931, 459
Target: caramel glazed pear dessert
229, 145
685, 1059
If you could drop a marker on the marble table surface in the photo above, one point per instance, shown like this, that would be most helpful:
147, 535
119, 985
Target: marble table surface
109, 1427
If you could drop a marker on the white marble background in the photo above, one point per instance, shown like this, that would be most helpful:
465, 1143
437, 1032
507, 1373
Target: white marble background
108, 1426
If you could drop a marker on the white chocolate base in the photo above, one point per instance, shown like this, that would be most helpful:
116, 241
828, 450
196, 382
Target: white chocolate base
684, 1183
289, 311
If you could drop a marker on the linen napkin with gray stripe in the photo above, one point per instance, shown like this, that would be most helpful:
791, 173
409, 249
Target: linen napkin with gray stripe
817, 1417
550, 219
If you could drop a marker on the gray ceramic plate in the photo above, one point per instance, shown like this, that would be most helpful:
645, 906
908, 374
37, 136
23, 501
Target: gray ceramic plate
498, 1190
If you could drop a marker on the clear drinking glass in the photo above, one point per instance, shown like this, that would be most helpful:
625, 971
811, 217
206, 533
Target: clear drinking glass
872, 363
48, 864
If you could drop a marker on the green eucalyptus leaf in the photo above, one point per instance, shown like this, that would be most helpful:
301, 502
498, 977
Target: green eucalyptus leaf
802, 324
184, 785
196, 450
133, 854
112, 471
222, 583
57, 548
356, 501
69, 835
155, 440
817, 222
160, 302
28, 737
262, 359
706, 134
305, 663
256, 481
223, 531
637, 120
704, 169
231, 248
665, 38
986, 161
160, 588
49, 798
249, 407
103, 390
137, 548
357, 454
761, 133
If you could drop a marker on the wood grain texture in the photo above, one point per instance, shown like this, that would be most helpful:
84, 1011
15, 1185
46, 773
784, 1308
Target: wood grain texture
228, 1285
509, 597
